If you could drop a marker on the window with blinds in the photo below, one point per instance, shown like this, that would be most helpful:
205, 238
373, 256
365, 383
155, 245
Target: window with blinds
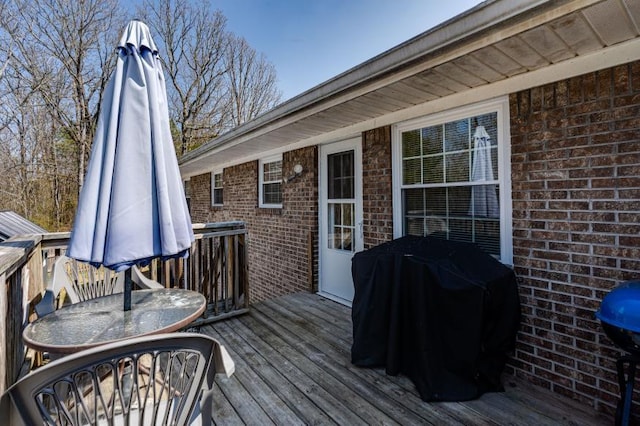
271, 182
217, 189
450, 185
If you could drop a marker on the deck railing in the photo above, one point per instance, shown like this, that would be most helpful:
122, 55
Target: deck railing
216, 267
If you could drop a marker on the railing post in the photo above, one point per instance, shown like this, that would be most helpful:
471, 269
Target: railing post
22, 281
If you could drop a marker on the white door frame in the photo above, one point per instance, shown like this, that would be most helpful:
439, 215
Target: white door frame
338, 261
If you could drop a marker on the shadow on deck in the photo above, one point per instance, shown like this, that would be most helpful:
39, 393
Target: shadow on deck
293, 366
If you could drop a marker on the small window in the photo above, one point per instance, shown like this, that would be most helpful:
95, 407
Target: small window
271, 182
216, 189
187, 193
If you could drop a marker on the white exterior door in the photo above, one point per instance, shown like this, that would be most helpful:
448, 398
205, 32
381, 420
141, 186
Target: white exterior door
340, 217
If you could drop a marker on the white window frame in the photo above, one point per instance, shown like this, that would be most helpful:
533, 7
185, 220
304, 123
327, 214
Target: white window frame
186, 183
213, 187
501, 107
261, 182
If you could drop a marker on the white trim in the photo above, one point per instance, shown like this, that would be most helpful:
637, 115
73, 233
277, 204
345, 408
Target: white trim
213, 179
499, 105
266, 160
186, 181
333, 147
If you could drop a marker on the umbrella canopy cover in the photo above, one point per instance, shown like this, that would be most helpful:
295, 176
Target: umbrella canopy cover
484, 200
132, 207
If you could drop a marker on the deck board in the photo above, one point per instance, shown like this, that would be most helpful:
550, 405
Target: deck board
293, 366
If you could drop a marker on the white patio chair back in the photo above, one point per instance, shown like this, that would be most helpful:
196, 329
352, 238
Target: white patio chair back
81, 282
163, 379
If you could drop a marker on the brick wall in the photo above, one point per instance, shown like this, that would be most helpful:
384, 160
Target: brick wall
376, 186
282, 242
200, 200
576, 197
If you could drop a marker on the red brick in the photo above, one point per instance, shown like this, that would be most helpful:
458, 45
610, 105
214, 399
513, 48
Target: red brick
590, 242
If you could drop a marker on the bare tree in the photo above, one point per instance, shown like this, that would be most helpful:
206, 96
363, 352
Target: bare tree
58, 57
68, 40
217, 80
192, 40
251, 80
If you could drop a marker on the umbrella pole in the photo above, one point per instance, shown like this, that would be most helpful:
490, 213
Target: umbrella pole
127, 290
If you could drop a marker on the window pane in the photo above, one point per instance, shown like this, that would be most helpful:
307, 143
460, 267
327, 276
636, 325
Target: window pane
411, 144
483, 201
271, 193
217, 180
458, 200
217, 196
347, 187
337, 214
414, 226
458, 167
331, 230
340, 179
494, 161
347, 164
436, 201
272, 171
461, 230
432, 140
456, 135
412, 171
487, 235
337, 238
490, 123
341, 229
347, 214
433, 170
413, 202
347, 241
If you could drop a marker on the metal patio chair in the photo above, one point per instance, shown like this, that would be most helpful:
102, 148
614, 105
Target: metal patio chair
163, 379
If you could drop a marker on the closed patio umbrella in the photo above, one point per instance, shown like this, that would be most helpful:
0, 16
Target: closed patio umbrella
132, 207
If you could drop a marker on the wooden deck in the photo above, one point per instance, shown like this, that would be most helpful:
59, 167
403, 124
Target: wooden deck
293, 366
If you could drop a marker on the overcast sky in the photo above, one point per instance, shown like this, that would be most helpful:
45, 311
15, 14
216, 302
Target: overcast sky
311, 41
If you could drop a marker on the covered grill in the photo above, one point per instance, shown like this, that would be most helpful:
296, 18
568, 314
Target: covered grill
443, 313
619, 315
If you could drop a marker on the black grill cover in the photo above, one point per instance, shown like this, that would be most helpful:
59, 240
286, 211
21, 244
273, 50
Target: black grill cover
443, 313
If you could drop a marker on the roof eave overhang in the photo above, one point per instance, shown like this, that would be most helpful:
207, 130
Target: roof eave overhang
481, 26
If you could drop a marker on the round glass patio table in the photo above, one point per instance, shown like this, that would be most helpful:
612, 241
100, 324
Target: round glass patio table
102, 320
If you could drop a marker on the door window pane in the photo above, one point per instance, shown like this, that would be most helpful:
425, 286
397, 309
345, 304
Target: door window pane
340, 167
341, 226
